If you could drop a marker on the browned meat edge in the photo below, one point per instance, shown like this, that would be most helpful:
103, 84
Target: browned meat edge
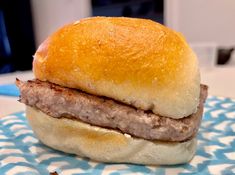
59, 102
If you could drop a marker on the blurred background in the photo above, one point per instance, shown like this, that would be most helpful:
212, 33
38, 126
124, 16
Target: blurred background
208, 25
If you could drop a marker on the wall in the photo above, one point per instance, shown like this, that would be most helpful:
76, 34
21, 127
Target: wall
48, 15
207, 21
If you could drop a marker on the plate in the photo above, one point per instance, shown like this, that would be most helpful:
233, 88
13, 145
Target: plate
21, 152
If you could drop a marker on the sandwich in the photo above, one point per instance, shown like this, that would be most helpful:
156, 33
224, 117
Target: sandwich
116, 89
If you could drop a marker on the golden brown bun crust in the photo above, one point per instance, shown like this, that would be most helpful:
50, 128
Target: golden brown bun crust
136, 61
106, 145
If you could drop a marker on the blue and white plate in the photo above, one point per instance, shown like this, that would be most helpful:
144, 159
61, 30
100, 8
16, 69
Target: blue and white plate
22, 153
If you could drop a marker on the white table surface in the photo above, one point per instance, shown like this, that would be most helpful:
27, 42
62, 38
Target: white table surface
8, 104
221, 82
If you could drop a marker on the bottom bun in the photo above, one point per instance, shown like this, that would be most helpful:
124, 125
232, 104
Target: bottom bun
106, 145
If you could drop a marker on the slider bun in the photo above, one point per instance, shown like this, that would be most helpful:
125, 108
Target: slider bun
135, 61
72, 136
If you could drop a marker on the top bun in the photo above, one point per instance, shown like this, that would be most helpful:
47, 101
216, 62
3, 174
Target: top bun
135, 61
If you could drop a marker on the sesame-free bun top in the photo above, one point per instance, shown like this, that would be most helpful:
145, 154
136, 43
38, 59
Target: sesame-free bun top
135, 61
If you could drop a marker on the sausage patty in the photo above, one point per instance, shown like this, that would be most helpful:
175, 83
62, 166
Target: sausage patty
58, 102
